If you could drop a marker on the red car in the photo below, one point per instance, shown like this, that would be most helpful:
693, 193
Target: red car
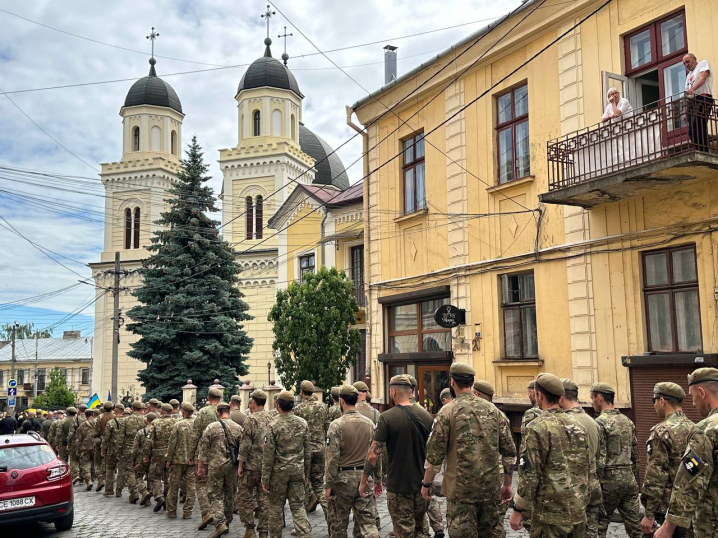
35, 485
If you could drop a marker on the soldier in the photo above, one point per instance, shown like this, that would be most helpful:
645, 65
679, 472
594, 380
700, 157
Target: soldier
217, 450
366, 410
141, 469
335, 411
84, 441
45, 428
158, 437
64, 431
555, 467
569, 403
469, 435
235, 410
617, 465
180, 464
695, 489
154, 406
72, 451
251, 451
110, 450
100, 426
205, 417
175, 409
314, 412
348, 440
286, 462
445, 396
52, 433
126, 441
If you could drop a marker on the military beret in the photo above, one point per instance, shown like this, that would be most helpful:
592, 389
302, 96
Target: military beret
551, 384
360, 386
174, 402
401, 379
222, 405
167, 408
306, 386
285, 396
238, 417
151, 416
236, 398
461, 370
569, 385
348, 390
188, 407
138, 405
127, 411
119, 406
259, 394
602, 388
71, 410
701, 375
531, 385
335, 392
412, 380
89, 412
214, 392
108, 406
484, 386
95, 411
154, 401
82, 408
446, 393
669, 389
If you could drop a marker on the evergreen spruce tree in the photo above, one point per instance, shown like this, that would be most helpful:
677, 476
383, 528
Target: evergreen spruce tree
191, 315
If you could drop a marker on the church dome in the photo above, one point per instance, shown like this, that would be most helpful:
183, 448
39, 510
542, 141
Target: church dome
330, 171
152, 90
269, 72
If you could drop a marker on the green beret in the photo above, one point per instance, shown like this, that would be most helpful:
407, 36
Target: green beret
701, 375
602, 388
151, 416
167, 408
669, 389
214, 392
335, 392
108, 406
361, 386
446, 393
285, 396
484, 387
187, 407
236, 398
154, 401
461, 370
412, 380
259, 394
82, 408
401, 379
71, 410
348, 390
222, 405
174, 402
119, 406
569, 385
138, 405
306, 386
551, 384
531, 385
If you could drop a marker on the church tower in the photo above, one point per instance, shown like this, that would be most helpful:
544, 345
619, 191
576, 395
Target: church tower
135, 189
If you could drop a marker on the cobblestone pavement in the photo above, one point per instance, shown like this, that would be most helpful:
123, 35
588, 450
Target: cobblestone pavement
102, 517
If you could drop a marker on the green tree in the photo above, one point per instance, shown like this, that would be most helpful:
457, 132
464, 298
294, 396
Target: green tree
24, 331
191, 313
313, 338
56, 392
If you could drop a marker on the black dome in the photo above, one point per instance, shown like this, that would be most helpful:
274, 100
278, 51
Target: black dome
152, 90
269, 72
330, 171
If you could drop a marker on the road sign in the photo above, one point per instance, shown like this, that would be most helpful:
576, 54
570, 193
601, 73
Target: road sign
11, 402
12, 391
12, 383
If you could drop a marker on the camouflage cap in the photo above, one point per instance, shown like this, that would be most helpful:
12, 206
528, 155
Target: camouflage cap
188, 407
154, 401
348, 390
174, 402
167, 408
138, 405
361, 386
569, 385
108, 406
82, 408
236, 398
551, 384
702, 375
412, 380
335, 392
602, 388
119, 406
672, 390
401, 379
484, 387
151, 416
285, 396
461, 370
221, 406
259, 394
214, 392
446, 393
531, 385
306, 386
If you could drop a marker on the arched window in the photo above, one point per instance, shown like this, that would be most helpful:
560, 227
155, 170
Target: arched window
258, 211
249, 218
136, 230
155, 138
136, 139
173, 143
128, 228
257, 122
294, 128
276, 122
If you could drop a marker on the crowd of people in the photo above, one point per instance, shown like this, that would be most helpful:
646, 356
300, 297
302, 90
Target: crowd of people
573, 471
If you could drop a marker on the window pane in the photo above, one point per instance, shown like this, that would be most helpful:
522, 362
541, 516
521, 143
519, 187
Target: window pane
528, 325
674, 82
506, 156
408, 343
688, 321
409, 191
526, 287
419, 146
641, 53
509, 289
420, 186
672, 38
408, 151
403, 318
523, 152
521, 101
512, 335
656, 269
503, 105
659, 322
436, 341
684, 266
427, 313
396, 370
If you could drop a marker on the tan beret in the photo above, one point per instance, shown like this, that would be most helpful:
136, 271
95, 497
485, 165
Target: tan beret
702, 375
174, 402
236, 398
214, 392
461, 370
151, 416
89, 412
401, 379
412, 380
551, 384
71, 410
82, 408
669, 389
259, 394
108, 406
531, 385
138, 405
446, 393
154, 401
167, 408
602, 388
306, 386
187, 407
222, 405
238, 417
361, 386
484, 387
285, 396
127, 411
119, 406
335, 392
569, 385
348, 390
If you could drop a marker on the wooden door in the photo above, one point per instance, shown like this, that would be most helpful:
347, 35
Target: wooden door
432, 380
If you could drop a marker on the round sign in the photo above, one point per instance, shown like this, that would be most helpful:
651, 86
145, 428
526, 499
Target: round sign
12, 383
449, 316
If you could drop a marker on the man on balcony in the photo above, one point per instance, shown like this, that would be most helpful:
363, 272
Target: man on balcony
699, 90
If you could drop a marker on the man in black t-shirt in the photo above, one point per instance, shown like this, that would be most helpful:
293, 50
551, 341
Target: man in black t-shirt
403, 431
30, 424
8, 425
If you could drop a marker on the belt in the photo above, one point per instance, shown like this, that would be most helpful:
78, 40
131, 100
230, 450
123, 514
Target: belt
357, 468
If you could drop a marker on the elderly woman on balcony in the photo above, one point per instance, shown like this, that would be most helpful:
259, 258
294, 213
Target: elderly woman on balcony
617, 106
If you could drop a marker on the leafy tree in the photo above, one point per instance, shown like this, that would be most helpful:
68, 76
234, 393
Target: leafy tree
24, 331
190, 314
56, 392
313, 338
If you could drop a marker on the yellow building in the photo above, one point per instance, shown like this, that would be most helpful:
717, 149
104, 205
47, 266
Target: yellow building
575, 246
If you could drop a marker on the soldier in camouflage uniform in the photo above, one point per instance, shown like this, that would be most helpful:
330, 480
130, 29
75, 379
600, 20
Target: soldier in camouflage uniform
72, 451
128, 431
64, 432
176, 413
84, 441
158, 437
215, 460
111, 449
694, 501
96, 446
314, 412
100, 425
141, 469
52, 432
204, 418
366, 410
531, 414
471, 436
665, 448
334, 411
286, 462
555, 466
180, 464
617, 465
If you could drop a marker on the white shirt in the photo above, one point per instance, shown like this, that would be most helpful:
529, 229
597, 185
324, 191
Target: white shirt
623, 105
707, 86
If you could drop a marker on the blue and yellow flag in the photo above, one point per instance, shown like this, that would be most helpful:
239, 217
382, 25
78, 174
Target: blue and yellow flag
94, 402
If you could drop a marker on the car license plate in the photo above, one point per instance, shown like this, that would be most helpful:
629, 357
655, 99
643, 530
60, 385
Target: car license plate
13, 504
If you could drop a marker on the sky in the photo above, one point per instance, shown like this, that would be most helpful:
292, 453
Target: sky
52, 228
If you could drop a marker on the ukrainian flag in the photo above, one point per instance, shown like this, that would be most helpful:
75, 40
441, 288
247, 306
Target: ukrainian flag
94, 402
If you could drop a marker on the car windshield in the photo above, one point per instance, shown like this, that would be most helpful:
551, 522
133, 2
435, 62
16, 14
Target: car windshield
25, 457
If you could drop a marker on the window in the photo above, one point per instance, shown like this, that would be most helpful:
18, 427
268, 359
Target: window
306, 265
155, 138
173, 143
63, 373
357, 255
249, 218
21, 377
41, 379
670, 290
518, 302
136, 230
276, 122
653, 44
128, 228
2, 378
413, 173
294, 128
136, 139
512, 127
258, 215
85, 376
256, 117
132, 228
412, 328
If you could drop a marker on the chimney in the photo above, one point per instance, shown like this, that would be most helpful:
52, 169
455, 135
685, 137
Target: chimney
70, 334
389, 63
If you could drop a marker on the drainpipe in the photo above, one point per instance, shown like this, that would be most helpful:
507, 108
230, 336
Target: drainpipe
324, 220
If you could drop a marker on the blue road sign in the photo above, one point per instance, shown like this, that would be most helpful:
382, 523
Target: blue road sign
11, 402
12, 391
12, 383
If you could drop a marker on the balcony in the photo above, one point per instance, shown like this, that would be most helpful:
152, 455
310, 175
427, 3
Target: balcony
648, 149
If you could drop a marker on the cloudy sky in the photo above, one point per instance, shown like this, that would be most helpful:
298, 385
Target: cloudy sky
45, 45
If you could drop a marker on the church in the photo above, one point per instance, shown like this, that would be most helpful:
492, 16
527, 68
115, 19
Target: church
276, 171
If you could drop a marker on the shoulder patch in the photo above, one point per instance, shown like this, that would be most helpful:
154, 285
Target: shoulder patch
524, 463
649, 447
266, 438
693, 464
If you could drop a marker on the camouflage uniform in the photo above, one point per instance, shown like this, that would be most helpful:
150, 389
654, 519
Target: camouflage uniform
554, 477
250, 454
100, 467
665, 448
72, 450
179, 454
52, 434
617, 468
221, 473
139, 467
468, 435
110, 450
63, 433
126, 441
365, 409
204, 418
286, 461
531, 414
158, 437
314, 412
505, 463
85, 443
45, 428
333, 413
695, 490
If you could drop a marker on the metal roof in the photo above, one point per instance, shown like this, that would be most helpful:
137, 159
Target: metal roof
49, 349
330, 170
269, 72
152, 90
